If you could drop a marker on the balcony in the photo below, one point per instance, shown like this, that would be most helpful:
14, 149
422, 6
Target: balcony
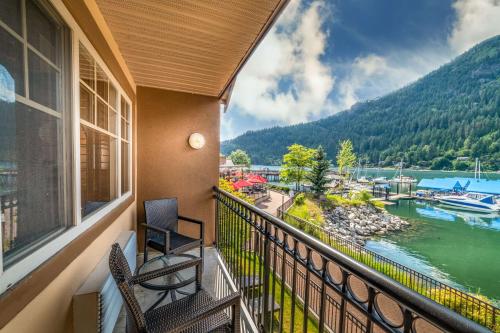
308, 286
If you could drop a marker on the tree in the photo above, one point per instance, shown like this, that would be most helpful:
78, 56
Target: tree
240, 157
295, 164
345, 157
317, 176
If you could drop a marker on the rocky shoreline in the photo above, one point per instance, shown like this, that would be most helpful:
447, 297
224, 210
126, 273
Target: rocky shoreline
359, 223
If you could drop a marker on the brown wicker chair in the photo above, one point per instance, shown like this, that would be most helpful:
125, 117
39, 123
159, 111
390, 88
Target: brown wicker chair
161, 228
198, 312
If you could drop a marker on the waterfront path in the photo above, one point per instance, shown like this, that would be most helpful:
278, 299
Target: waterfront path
271, 204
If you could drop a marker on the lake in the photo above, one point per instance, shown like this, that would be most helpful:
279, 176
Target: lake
456, 247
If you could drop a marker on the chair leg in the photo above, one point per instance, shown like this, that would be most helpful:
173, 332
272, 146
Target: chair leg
145, 251
202, 255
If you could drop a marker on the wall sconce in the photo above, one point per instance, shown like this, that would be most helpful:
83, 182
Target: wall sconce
196, 141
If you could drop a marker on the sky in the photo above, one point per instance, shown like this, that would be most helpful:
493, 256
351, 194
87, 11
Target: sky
322, 57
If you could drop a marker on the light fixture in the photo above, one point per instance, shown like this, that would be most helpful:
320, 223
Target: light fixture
196, 141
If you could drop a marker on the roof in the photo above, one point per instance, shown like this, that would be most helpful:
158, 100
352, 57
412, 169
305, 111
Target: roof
195, 46
458, 184
485, 186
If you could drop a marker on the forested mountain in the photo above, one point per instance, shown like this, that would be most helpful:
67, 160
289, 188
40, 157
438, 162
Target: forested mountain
452, 112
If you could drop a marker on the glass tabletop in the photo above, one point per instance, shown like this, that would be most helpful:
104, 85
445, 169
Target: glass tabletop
175, 280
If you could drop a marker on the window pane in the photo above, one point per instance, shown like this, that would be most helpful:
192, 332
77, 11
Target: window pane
112, 121
102, 114
43, 32
113, 97
31, 171
102, 83
11, 59
125, 109
86, 67
10, 14
124, 129
86, 104
98, 169
42, 81
125, 168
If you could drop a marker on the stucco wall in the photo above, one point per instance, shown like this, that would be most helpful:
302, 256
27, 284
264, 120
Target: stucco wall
166, 165
51, 310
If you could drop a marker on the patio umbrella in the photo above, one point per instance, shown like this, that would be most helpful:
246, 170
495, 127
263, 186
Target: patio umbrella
257, 179
241, 183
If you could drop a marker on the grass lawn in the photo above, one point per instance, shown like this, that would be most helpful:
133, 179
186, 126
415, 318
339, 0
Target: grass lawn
309, 211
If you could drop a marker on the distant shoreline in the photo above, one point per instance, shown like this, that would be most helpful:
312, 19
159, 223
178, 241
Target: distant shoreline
406, 169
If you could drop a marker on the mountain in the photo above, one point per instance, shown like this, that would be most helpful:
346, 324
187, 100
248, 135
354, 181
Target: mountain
452, 112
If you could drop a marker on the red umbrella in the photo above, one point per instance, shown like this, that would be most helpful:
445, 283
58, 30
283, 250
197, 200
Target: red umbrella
241, 183
257, 179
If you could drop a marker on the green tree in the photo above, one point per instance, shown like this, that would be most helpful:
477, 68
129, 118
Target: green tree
345, 157
295, 164
317, 176
240, 157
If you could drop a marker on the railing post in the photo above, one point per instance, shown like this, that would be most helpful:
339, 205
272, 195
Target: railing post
267, 269
343, 305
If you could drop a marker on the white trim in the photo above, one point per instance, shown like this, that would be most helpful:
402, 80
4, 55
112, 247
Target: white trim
37, 106
26, 265
22, 268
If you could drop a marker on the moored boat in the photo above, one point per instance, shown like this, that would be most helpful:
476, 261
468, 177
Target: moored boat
471, 201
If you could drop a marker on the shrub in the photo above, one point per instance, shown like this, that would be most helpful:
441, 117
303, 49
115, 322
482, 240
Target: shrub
299, 199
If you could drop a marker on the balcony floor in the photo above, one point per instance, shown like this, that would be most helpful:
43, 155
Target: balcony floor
211, 273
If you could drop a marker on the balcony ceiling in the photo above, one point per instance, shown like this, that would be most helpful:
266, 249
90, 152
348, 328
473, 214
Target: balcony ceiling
194, 46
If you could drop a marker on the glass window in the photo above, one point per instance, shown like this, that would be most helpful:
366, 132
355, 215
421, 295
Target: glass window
125, 146
43, 81
43, 31
98, 140
35, 198
11, 60
10, 14
98, 169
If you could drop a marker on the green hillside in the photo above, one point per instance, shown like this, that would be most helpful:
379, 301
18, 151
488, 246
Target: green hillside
451, 112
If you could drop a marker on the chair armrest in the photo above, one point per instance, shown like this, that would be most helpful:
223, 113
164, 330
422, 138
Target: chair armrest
199, 222
165, 232
216, 306
167, 270
188, 219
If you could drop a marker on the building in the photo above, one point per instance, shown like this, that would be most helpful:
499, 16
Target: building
99, 99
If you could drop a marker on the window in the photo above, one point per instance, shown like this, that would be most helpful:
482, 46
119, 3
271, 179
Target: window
41, 136
98, 136
125, 143
35, 144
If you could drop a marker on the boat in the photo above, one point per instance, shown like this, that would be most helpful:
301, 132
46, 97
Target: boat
380, 180
471, 201
402, 179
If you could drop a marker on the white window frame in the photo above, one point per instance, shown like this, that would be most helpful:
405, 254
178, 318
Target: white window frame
76, 226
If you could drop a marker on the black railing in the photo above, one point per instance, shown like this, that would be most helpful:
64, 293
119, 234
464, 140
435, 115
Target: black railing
292, 282
457, 300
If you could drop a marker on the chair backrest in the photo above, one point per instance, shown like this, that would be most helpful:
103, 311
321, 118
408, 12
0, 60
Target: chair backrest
120, 270
162, 213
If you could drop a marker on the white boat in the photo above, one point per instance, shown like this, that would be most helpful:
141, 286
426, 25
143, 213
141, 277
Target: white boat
471, 201
380, 180
402, 179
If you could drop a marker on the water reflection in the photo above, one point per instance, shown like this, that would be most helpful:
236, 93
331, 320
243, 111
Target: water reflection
445, 213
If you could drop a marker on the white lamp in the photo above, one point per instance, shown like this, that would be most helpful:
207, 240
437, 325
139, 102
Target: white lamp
196, 141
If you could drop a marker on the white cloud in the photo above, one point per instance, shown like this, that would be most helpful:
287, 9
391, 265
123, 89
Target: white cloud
373, 75
476, 21
291, 51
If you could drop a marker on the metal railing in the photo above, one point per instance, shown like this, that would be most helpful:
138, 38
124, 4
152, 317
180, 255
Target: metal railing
457, 300
292, 282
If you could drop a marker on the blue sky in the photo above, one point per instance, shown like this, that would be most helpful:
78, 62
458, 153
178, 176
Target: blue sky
322, 57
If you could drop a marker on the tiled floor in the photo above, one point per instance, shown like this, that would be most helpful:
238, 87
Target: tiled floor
147, 297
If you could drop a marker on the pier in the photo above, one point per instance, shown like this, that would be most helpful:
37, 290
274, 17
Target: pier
270, 175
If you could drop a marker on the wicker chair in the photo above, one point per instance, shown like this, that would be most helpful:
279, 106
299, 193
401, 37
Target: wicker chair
198, 312
161, 228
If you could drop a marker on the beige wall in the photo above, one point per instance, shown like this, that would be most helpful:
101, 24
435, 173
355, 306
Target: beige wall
51, 310
166, 165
